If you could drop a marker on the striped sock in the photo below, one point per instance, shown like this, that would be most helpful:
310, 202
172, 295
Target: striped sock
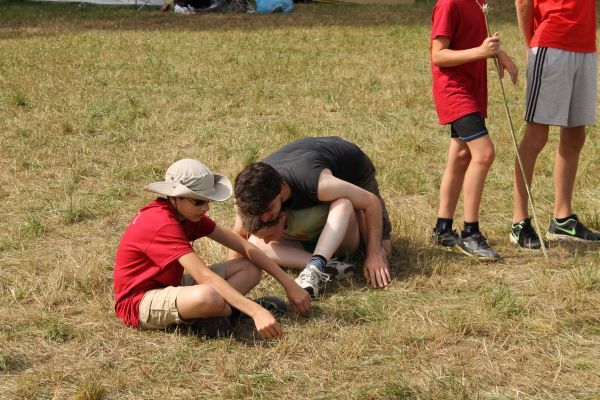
318, 261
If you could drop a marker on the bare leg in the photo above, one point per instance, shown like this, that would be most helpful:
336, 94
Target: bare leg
565, 169
202, 301
459, 158
482, 156
534, 140
286, 253
341, 229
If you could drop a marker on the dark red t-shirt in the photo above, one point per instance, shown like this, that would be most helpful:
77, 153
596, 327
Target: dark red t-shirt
147, 255
459, 90
564, 24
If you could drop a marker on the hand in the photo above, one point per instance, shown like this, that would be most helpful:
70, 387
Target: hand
490, 46
299, 299
266, 324
505, 62
376, 271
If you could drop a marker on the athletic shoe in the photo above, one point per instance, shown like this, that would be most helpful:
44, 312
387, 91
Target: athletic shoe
309, 279
523, 235
448, 239
571, 229
273, 304
339, 270
476, 246
211, 327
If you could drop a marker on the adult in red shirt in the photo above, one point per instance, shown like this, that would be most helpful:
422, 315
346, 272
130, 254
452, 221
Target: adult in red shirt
150, 289
561, 90
459, 50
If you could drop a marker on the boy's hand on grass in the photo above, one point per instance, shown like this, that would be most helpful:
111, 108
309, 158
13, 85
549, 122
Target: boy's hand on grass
299, 299
490, 46
266, 324
376, 271
506, 63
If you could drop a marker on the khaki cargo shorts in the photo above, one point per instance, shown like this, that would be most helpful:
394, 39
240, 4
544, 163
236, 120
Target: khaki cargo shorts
158, 308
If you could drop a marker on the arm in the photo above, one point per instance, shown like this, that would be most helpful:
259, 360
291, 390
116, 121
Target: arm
331, 188
299, 298
443, 56
505, 62
238, 228
525, 18
265, 323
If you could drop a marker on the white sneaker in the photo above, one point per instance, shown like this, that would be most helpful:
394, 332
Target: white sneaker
339, 270
309, 279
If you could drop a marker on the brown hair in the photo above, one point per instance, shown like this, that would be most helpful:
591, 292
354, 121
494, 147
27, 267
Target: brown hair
255, 188
253, 223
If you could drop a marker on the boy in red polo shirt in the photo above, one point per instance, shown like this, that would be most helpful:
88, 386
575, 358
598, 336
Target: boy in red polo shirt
151, 291
459, 51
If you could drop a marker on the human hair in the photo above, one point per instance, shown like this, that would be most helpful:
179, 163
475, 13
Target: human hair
256, 187
253, 223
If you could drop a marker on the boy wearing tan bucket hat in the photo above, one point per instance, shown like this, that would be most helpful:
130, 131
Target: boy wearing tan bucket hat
151, 290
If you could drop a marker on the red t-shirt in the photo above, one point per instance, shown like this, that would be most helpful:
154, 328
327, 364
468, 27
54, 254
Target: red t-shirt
564, 24
147, 255
460, 90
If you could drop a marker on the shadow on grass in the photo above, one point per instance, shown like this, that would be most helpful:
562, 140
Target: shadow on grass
21, 18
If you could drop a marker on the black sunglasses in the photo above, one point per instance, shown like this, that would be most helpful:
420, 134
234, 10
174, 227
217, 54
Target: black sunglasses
196, 202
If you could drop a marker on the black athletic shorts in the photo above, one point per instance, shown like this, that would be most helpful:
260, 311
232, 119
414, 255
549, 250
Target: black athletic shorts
469, 127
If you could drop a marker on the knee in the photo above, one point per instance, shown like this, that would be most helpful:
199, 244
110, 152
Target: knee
343, 205
463, 158
572, 143
485, 156
252, 274
206, 298
534, 142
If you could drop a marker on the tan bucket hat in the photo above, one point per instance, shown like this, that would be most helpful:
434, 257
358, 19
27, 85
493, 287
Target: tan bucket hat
192, 179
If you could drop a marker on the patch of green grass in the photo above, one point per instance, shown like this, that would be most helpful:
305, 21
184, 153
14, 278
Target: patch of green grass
32, 228
18, 99
500, 300
3, 362
54, 330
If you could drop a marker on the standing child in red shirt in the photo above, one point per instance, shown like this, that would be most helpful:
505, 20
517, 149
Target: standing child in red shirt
151, 291
460, 48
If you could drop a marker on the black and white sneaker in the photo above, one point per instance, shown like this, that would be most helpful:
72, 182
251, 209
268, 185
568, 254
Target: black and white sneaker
476, 246
339, 270
309, 279
572, 229
523, 235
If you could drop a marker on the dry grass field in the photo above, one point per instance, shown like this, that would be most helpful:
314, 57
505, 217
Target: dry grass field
96, 102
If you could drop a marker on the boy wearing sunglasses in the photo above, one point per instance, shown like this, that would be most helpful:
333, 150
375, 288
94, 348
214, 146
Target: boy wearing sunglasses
151, 290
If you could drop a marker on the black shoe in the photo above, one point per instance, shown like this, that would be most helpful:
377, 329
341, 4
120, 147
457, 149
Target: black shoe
523, 235
571, 229
476, 246
211, 327
273, 304
448, 238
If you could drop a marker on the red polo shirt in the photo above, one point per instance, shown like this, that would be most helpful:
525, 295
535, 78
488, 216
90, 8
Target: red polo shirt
147, 255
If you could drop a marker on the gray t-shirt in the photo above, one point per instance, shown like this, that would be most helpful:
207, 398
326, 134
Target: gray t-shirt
300, 164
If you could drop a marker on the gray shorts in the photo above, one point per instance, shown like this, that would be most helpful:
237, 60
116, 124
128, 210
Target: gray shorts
158, 308
561, 87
